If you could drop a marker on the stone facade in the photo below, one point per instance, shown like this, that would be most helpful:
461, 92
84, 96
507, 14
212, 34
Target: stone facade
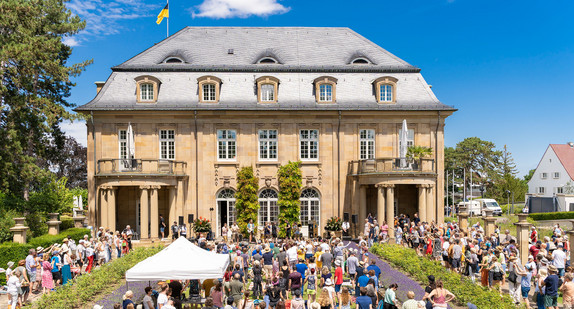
195, 181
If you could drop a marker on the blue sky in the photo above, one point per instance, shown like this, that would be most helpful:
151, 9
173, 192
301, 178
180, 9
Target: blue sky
508, 66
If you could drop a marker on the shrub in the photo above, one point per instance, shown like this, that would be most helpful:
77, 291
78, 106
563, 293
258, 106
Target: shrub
6, 222
67, 222
246, 200
552, 215
462, 287
290, 181
48, 240
36, 221
12, 252
100, 282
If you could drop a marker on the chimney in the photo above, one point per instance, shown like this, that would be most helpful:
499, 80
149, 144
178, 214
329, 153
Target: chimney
99, 86
571, 144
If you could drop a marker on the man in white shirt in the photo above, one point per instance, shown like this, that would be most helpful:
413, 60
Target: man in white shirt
445, 246
292, 256
558, 259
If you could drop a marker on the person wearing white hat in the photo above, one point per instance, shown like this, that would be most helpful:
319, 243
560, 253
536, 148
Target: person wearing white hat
14, 285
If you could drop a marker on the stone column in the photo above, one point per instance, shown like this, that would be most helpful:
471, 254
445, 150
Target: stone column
103, 206
54, 224
391, 210
19, 230
362, 207
144, 212
463, 218
112, 209
172, 205
522, 229
79, 218
154, 211
422, 202
180, 202
380, 204
355, 208
488, 223
431, 210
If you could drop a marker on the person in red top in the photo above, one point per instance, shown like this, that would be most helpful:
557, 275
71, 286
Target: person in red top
533, 235
534, 249
338, 276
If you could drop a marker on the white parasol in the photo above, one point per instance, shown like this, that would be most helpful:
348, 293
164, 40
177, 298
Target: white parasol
403, 144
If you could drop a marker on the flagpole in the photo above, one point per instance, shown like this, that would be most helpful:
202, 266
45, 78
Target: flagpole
167, 33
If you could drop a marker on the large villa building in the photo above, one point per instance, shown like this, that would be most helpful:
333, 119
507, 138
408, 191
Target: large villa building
207, 101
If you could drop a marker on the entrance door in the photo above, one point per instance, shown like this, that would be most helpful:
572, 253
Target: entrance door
223, 214
225, 209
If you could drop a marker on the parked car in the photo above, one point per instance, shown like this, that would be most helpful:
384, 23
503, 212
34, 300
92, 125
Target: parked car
491, 204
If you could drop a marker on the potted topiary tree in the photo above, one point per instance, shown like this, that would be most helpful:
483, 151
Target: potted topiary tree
416, 153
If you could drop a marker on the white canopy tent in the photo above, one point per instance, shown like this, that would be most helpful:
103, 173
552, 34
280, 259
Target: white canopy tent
180, 260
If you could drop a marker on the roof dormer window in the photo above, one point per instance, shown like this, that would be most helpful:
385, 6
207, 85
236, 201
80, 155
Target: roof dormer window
386, 89
267, 87
325, 89
147, 89
173, 60
360, 61
209, 89
267, 60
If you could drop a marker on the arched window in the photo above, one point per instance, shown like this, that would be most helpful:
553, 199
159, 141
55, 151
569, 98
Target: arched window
209, 89
267, 87
360, 61
147, 88
268, 209
267, 60
325, 89
225, 207
310, 203
386, 89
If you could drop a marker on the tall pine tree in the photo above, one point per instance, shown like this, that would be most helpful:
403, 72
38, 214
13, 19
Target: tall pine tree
35, 80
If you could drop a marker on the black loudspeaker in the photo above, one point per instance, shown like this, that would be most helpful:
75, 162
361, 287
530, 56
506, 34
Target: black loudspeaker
354, 219
180, 220
190, 218
346, 216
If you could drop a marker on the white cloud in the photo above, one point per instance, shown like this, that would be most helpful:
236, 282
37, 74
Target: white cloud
104, 18
77, 130
238, 8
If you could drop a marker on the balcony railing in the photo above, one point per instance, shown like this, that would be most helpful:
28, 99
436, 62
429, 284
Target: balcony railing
390, 165
140, 167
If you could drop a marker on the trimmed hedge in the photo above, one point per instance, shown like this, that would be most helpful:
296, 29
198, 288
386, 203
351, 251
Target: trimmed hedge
552, 215
462, 287
86, 288
48, 240
67, 222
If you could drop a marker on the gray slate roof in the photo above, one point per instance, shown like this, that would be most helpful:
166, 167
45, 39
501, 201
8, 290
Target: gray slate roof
304, 54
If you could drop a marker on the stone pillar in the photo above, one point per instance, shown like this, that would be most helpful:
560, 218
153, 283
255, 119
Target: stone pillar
362, 208
488, 223
571, 243
380, 204
431, 210
79, 218
355, 208
154, 212
54, 224
104, 206
422, 203
522, 237
180, 200
144, 212
19, 230
391, 210
463, 218
173, 211
112, 209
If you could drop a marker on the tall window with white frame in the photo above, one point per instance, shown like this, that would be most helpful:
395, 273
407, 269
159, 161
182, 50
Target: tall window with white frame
167, 144
410, 137
367, 144
226, 144
310, 202
268, 209
146, 92
325, 92
267, 93
123, 143
209, 92
267, 144
309, 144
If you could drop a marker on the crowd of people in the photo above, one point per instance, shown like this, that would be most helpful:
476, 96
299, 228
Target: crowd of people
291, 273
44, 269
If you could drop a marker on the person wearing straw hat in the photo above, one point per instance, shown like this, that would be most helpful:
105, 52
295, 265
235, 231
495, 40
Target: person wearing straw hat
9, 270
551, 284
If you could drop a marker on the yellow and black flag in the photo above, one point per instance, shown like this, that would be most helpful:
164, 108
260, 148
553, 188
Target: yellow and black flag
162, 14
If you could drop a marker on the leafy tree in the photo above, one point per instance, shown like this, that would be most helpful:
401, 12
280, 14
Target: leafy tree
67, 158
418, 152
35, 82
246, 203
507, 165
53, 197
569, 187
528, 176
290, 182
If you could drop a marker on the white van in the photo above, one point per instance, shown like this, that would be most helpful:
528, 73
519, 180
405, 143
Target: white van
473, 207
491, 204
